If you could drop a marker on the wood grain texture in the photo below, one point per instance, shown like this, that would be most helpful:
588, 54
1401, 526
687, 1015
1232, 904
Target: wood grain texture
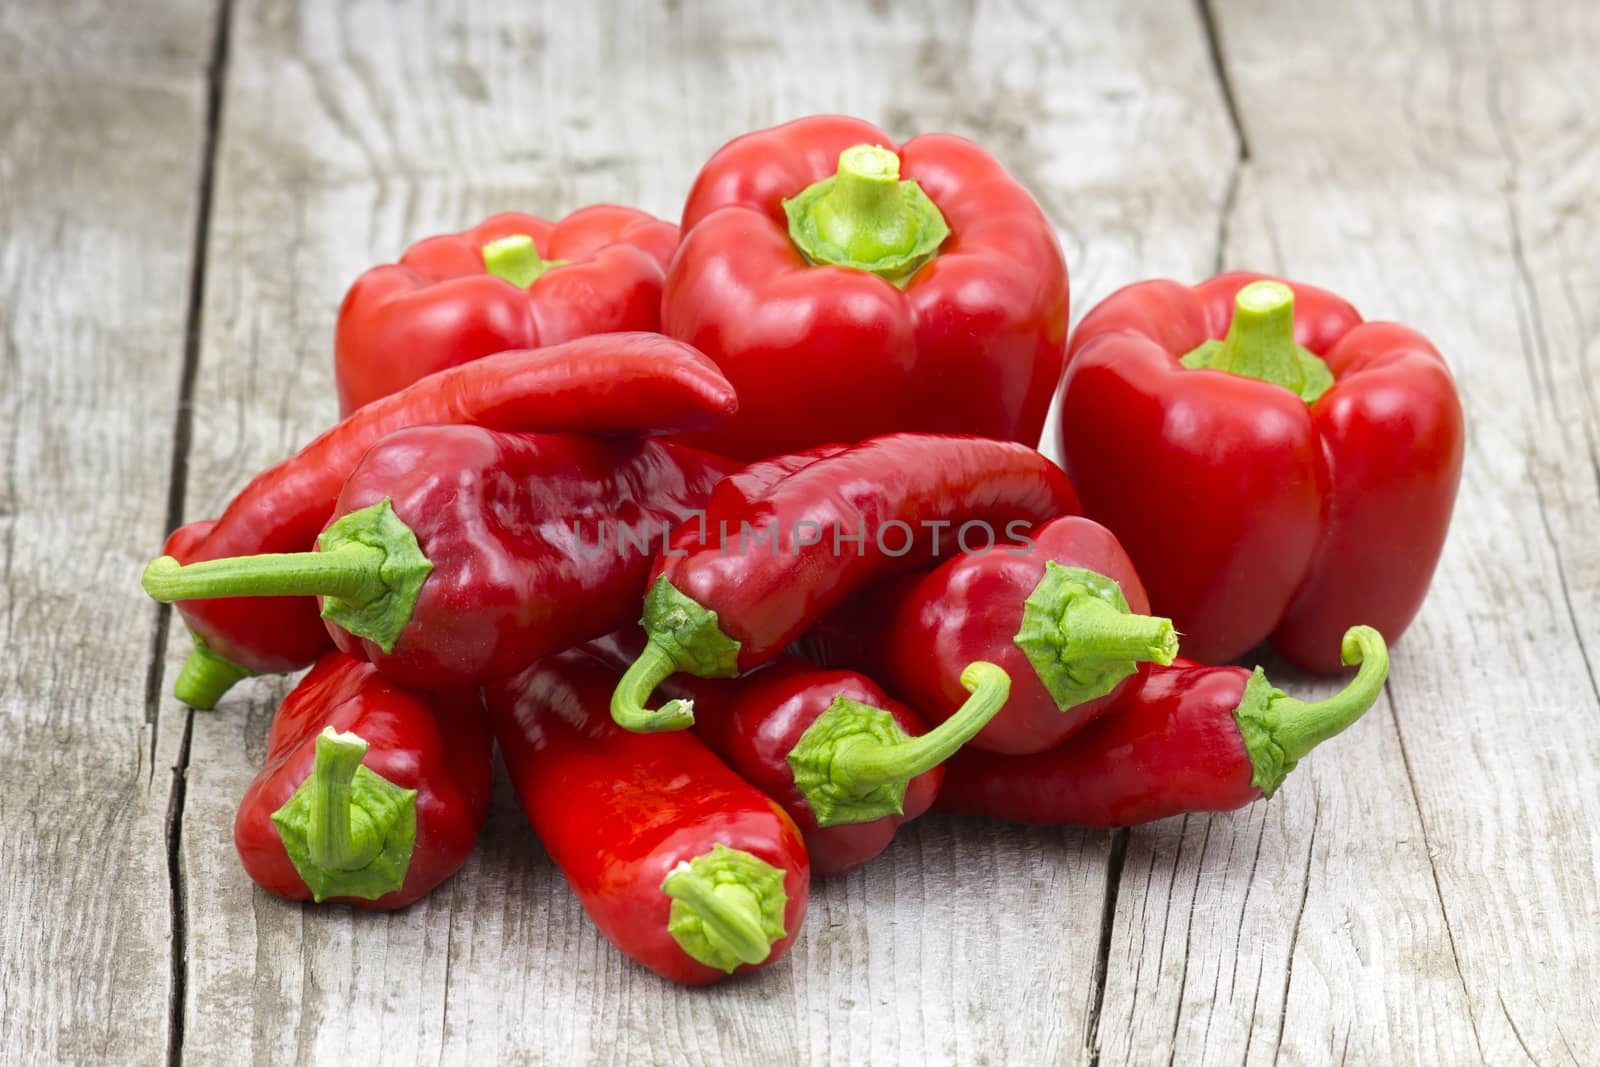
349, 130
1436, 164
98, 169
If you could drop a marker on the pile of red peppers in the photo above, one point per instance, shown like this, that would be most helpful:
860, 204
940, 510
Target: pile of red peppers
735, 540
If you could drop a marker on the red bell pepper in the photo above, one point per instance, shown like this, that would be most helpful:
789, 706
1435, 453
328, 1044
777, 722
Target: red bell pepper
1264, 490
753, 575
459, 555
1065, 616
1190, 739
844, 302
681, 864
632, 382
845, 760
370, 795
512, 281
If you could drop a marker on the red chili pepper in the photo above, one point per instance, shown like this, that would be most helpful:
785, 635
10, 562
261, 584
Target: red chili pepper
459, 554
370, 795
1065, 616
1191, 738
1265, 491
512, 281
681, 864
846, 761
619, 382
845, 302
762, 566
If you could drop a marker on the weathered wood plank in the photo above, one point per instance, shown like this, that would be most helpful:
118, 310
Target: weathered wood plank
350, 129
101, 145
1436, 165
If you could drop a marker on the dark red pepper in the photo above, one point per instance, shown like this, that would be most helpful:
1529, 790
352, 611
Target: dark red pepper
684, 866
1265, 490
845, 760
762, 566
459, 554
1064, 615
1190, 739
512, 281
619, 382
844, 302
370, 795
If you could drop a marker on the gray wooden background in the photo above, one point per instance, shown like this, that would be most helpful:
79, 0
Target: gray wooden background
188, 186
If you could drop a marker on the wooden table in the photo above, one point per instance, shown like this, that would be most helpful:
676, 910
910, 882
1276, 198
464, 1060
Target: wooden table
186, 188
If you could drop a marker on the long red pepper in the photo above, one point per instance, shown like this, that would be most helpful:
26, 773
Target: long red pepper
1276, 468
845, 760
1065, 616
461, 554
619, 382
738, 587
680, 863
370, 795
1190, 739
512, 281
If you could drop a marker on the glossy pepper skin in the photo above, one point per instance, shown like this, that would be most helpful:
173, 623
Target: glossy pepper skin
513, 281
1190, 739
971, 341
758, 724
682, 865
619, 382
738, 587
421, 790
458, 555
1065, 615
1250, 513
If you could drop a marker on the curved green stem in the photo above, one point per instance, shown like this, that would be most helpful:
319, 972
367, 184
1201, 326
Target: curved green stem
206, 675
1082, 640
1260, 344
368, 569
866, 218
654, 666
727, 907
854, 762
1279, 730
516, 259
349, 832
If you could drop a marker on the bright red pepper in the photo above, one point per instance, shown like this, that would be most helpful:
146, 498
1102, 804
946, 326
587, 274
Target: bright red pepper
621, 382
512, 281
1064, 615
1190, 739
1305, 492
680, 863
852, 304
370, 795
458, 554
763, 565
845, 760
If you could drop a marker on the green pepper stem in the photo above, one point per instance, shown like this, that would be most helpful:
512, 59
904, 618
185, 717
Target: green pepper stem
730, 912
654, 665
352, 572
516, 259
1298, 726
861, 764
1278, 731
1095, 632
328, 834
1260, 344
863, 216
206, 675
